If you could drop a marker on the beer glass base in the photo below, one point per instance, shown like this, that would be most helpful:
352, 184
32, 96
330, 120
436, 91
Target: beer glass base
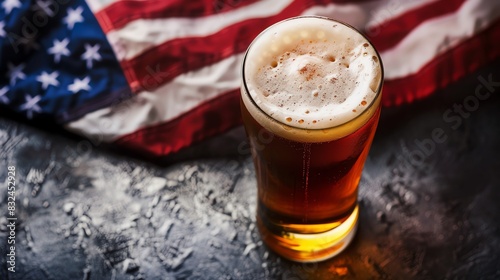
310, 247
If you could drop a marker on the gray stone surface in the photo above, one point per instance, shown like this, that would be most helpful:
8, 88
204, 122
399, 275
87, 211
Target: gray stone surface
87, 212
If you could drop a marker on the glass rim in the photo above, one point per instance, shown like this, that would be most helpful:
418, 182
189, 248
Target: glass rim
372, 103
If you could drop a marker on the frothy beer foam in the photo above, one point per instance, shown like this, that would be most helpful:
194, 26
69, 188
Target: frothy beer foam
312, 73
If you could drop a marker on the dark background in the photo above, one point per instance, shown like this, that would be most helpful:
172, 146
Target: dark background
87, 212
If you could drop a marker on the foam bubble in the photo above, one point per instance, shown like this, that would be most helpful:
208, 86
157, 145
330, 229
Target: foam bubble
307, 73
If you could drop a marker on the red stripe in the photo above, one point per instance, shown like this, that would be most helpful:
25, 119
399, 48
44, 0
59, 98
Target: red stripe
119, 13
208, 119
164, 62
221, 113
386, 35
445, 68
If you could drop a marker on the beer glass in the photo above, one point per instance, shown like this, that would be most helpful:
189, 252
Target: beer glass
310, 102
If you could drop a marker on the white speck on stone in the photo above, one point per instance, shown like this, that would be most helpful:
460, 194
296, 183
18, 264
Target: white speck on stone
215, 231
155, 201
397, 187
134, 217
3, 223
165, 228
35, 176
176, 209
168, 196
154, 185
389, 206
229, 208
191, 171
181, 178
249, 248
68, 207
127, 225
179, 260
251, 227
85, 219
233, 235
86, 229
410, 197
149, 213
380, 216
244, 211
136, 171
135, 208
171, 184
129, 265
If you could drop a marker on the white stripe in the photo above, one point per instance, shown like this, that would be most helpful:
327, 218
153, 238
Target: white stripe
143, 34
97, 5
353, 14
392, 9
182, 94
365, 15
438, 35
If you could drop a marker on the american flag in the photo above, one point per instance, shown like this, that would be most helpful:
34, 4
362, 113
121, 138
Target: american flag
157, 76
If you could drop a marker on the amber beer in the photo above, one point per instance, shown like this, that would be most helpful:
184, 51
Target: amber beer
310, 103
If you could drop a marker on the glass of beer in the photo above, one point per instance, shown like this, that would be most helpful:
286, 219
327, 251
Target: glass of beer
310, 103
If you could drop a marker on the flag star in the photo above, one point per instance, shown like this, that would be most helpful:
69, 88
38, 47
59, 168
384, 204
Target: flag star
9, 5
45, 7
3, 93
73, 17
15, 72
79, 85
91, 53
31, 105
2, 30
48, 79
59, 48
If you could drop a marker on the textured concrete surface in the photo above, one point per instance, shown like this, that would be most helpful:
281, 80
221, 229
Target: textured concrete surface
428, 211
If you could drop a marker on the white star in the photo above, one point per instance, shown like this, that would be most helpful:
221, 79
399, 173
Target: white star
48, 79
91, 53
45, 7
9, 5
3, 93
59, 48
79, 85
2, 30
73, 17
15, 72
31, 105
